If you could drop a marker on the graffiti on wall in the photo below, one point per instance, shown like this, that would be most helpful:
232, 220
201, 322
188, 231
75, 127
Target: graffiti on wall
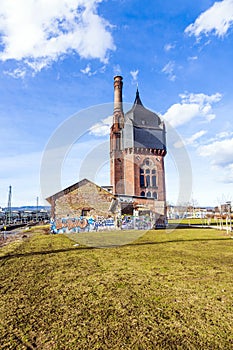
80, 224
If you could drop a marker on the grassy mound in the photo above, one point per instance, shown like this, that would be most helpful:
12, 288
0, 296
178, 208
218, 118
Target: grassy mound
163, 291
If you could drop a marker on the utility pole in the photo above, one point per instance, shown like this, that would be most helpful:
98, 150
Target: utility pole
8, 218
229, 213
37, 202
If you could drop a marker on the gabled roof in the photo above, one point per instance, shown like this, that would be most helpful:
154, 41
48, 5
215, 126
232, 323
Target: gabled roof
73, 187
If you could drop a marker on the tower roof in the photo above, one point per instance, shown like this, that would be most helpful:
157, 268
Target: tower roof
137, 100
142, 116
143, 128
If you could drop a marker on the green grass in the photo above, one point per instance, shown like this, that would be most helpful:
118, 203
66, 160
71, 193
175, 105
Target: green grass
193, 221
167, 290
198, 221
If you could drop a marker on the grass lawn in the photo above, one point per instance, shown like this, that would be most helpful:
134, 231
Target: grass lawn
166, 290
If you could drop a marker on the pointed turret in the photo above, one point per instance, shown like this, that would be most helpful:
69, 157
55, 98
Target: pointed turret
137, 100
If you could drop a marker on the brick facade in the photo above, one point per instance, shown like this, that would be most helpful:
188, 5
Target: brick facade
130, 175
84, 196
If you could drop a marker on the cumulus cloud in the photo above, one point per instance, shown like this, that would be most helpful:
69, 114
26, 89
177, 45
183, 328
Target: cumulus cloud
39, 32
217, 19
190, 107
102, 128
220, 152
220, 155
168, 69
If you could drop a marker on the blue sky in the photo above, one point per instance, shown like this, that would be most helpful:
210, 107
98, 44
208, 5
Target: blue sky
57, 62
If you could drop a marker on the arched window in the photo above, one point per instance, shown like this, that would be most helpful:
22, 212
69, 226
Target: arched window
143, 194
148, 174
148, 194
155, 195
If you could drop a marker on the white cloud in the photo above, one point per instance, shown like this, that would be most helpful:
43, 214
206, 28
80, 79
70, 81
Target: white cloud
220, 155
192, 58
16, 73
217, 19
134, 75
190, 107
117, 69
39, 32
168, 69
190, 140
220, 152
87, 71
169, 47
102, 128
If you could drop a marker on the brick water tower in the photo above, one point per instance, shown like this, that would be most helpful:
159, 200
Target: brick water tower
137, 151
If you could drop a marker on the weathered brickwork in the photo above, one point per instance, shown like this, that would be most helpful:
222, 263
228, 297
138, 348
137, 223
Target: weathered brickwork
83, 196
145, 132
137, 151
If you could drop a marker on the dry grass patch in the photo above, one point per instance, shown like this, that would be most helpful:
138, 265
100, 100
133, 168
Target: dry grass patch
164, 291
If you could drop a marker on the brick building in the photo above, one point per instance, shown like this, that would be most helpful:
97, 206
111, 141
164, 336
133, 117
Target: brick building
137, 151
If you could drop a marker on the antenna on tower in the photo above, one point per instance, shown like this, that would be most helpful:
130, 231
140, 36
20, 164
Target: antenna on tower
8, 219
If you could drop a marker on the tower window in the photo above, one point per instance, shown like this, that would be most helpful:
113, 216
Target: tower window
153, 181
148, 175
142, 182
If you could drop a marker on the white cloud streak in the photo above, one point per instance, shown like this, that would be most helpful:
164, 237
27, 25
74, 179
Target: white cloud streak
217, 19
190, 140
134, 75
192, 106
168, 69
39, 32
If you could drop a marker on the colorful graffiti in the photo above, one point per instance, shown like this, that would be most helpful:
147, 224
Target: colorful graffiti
81, 224
84, 224
143, 222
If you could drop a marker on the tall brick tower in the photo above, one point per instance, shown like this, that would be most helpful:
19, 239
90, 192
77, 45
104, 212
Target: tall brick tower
116, 145
137, 151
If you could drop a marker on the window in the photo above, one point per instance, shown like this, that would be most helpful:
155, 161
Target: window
85, 212
143, 194
142, 179
153, 181
147, 176
155, 195
148, 194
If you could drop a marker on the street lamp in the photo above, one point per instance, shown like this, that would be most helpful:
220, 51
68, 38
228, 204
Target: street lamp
229, 211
